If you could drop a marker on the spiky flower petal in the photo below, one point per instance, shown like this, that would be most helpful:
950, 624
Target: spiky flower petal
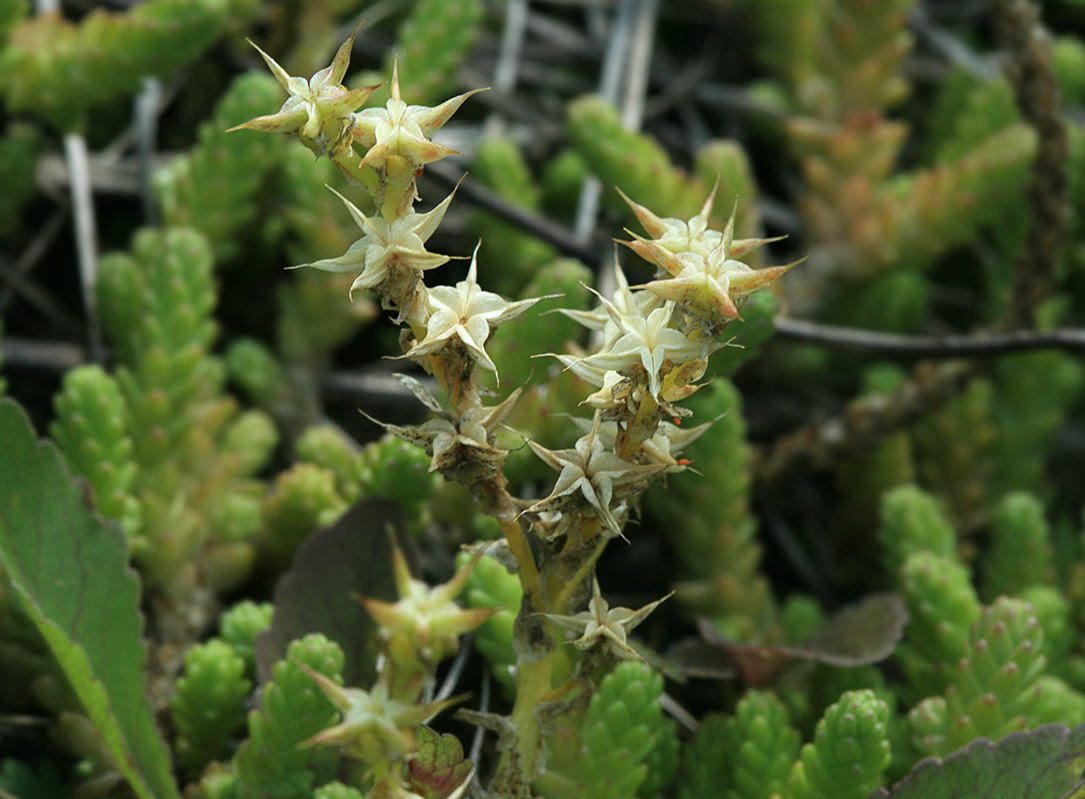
391, 255
603, 626
591, 477
706, 279
466, 314
320, 110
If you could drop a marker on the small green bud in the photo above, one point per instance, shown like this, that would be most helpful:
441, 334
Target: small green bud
209, 706
240, 625
850, 751
326, 446
250, 438
253, 366
304, 498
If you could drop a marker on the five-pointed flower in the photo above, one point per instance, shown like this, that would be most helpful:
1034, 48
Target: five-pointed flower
601, 625
662, 448
674, 234
706, 282
424, 626
320, 110
626, 301
391, 255
466, 314
375, 727
592, 476
647, 342
463, 448
403, 130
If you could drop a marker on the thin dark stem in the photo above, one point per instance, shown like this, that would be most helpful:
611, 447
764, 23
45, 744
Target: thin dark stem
980, 345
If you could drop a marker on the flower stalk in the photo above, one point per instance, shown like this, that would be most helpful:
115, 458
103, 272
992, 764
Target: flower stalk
657, 339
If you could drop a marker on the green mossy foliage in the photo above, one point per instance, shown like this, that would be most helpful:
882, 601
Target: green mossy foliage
215, 188
707, 760
913, 521
509, 257
399, 471
716, 538
256, 370
432, 42
239, 627
59, 71
292, 710
337, 790
91, 431
538, 331
1020, 555
327, 447
249, 440
1035, 392
209, 706
992, 689
954, 449
489, 585
156, 306
942, 606
765, 747
303, 499
632, 161
662, 761
621, 728
850, 751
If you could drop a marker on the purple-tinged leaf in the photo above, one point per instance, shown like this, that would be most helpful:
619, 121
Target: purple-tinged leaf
352, 557
1046, 763
70, 569
438, 769
866, 632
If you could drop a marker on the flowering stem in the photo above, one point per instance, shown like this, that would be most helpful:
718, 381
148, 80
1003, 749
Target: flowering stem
532, 686
578, 579
521, 550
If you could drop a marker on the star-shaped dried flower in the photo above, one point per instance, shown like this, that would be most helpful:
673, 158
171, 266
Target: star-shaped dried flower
320, 110
704, 283
397, 138
423, 627
391, 255
463, 449
662, 448
603, 626
626, 301
592, 478
375, 727
404, 130
468, 315
649, 343
674, 234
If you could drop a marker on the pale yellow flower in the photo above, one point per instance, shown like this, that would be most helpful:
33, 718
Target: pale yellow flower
603, 626
320, 110
466, 314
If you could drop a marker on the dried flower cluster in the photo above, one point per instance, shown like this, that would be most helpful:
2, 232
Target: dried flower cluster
656, 341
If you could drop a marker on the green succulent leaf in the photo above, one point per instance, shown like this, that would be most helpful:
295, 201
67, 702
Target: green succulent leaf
1046, 762
70, 571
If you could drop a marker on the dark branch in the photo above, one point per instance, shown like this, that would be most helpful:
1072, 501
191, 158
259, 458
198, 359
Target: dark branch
980, 345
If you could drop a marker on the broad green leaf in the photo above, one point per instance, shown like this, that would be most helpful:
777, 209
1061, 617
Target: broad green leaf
70, 570
1046, 763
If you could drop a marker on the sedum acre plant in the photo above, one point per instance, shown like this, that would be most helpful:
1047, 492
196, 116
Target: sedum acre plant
221, 600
